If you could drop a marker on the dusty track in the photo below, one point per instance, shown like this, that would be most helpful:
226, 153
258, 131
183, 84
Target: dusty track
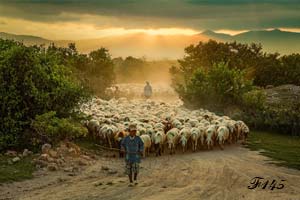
203, 175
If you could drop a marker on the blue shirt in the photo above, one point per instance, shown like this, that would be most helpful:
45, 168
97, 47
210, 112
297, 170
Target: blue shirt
133, 148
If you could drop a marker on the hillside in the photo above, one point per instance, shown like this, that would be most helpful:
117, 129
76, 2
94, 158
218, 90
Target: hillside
27, 39
170, 46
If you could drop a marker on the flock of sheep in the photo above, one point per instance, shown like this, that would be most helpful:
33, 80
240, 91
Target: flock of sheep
163, 127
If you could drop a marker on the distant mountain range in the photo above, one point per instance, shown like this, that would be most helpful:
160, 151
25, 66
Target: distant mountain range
171, 46
27, 39
283, 42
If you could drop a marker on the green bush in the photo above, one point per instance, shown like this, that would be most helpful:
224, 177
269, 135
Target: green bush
264, 68
48, 128
32, 82
278, 71
254, 99
215, 88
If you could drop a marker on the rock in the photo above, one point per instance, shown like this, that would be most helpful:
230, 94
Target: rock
86, 157
44, 157
62, 150
53, 153
104, 168
45, 148
11, 153
40, 163
82, 162
52, 167
72, 151
70, 169
16, 159
59, 161
283, 95
26, 153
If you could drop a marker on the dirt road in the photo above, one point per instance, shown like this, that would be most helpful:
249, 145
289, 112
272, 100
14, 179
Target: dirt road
203, 175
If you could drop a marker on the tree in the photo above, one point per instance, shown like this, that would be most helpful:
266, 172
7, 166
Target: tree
215, 88
100, 71
33, 81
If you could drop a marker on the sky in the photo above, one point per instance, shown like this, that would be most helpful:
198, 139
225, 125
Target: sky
81, 19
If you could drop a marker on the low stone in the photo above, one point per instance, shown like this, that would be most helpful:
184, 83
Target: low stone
72, 151
69, 169
40, 163
16, 159
45, 148
52, 167
59, 161
86, 157
26, 153
11, 153
53, 153
82, 162
45, 157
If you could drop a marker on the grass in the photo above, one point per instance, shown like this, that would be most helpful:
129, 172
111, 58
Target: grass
282, 148
15, 172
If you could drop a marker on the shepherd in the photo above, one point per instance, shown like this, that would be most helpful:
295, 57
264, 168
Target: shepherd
147, 90
133, 147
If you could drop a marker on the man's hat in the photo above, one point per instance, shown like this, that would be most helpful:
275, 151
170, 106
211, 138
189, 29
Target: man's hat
132, 127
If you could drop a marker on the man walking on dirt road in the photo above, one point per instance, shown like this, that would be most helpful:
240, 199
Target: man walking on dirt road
133, 147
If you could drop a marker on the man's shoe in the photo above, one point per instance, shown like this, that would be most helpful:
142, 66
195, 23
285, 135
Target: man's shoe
130, 184
135, 182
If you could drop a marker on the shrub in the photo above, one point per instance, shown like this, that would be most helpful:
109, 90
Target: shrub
48, 128
32, 82
254, 99
213, 89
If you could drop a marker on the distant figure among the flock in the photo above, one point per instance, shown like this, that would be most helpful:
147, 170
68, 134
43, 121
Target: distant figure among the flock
147, 90
117, 92
133, 147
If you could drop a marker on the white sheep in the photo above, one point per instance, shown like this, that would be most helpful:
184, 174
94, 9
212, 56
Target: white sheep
222, 136
159, 141
185, 135
195, 134
147, 144
172, 139
210, 136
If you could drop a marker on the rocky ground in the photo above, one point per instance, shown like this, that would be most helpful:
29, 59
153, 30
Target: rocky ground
283, 95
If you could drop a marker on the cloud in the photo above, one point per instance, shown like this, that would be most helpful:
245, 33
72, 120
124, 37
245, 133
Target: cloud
194, 14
